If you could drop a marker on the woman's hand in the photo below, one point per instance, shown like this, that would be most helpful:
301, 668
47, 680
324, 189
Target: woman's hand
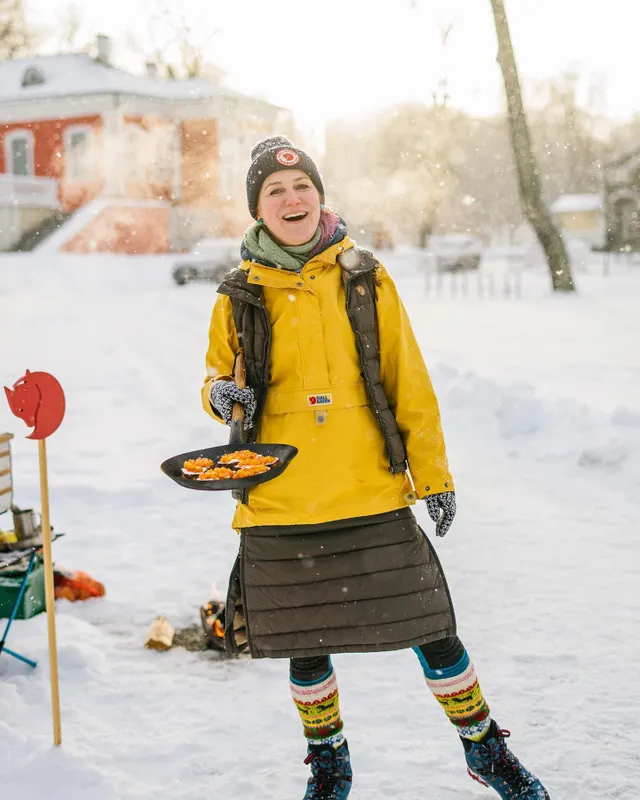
442, 510
224, 394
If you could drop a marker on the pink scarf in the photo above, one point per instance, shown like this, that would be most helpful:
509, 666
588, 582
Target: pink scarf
329, 223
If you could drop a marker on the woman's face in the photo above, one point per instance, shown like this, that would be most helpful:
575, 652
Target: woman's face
289, 205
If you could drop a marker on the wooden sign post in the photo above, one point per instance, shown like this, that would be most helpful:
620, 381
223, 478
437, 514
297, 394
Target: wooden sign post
37, 398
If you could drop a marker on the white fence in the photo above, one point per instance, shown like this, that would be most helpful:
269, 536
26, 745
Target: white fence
474, 284
507, 279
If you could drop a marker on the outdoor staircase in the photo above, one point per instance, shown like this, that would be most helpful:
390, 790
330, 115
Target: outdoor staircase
38, 233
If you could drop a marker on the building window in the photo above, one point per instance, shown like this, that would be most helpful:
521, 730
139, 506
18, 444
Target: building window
162, 149
20, 156
77, 143
18, 153
149, 154
135, 154
32, 77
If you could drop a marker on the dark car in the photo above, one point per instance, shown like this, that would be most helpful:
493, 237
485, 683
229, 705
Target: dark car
210, 260
455, 251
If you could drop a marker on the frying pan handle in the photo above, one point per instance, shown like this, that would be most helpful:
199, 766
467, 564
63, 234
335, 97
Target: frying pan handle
236, 435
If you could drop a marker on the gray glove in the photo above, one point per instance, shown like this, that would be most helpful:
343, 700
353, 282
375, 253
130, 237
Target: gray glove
224, 394
442, 510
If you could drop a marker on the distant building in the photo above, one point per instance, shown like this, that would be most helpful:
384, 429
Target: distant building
581, 216
120, 162
622, 201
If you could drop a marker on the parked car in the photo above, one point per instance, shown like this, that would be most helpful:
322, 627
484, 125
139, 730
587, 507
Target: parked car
452, 252
209, 260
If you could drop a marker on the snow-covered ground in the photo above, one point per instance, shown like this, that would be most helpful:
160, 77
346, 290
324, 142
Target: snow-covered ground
541, 404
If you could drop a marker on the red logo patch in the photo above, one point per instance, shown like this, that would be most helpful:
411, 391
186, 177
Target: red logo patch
319, 399
287, 157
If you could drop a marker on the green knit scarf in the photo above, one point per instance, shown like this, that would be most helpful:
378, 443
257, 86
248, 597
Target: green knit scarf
259, 243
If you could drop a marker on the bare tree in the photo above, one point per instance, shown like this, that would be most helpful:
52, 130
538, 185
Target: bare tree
569, 138
69, 28
527, 168
69, 35
395, 169
485, 200
15, 37
176, 43
441, 92
433, 168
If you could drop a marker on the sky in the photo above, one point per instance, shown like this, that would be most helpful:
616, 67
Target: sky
349, 58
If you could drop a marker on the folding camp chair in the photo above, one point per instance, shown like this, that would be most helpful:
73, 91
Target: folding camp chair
6, 484
21, 570
17, 558
10, 562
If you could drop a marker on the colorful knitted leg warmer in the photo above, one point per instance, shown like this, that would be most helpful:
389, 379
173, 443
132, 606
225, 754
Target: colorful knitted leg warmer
315, 692
450, 674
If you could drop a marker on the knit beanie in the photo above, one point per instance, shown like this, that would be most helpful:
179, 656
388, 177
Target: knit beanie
271, 155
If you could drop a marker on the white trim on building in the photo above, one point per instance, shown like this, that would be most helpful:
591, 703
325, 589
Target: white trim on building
28, 191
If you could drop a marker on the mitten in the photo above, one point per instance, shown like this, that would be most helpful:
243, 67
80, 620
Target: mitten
442, 510
224, 394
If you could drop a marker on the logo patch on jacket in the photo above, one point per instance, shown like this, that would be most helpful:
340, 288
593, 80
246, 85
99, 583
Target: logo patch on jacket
319, 399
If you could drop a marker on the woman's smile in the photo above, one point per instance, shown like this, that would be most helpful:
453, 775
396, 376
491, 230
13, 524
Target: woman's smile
295, 216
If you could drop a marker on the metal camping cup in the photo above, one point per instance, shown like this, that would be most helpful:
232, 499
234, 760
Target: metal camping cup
27, 524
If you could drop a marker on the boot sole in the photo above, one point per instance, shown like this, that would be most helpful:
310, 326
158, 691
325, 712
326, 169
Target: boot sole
484, 783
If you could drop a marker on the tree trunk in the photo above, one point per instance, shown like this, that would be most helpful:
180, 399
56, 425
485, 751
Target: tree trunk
527, 167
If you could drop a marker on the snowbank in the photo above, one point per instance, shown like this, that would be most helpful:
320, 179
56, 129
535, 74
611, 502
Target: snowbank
555, 432
540, 399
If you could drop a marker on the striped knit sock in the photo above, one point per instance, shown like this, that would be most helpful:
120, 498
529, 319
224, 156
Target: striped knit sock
319, 707
457, 690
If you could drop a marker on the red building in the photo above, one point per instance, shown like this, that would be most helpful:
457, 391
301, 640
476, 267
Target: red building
93, 158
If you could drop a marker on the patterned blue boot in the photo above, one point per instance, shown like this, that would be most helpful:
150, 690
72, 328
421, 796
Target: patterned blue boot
491, 763
331, 768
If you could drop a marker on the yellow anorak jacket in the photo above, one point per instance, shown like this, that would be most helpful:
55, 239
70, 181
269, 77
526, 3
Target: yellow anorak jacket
342, 468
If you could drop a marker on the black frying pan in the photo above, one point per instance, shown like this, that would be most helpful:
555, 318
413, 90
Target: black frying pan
283, 452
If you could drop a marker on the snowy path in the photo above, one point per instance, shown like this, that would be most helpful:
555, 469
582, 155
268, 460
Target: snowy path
542, 560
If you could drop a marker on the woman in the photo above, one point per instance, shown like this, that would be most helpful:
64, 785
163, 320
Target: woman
331, 558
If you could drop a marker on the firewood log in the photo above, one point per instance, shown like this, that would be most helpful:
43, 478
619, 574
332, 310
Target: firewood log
161, 634
239, 628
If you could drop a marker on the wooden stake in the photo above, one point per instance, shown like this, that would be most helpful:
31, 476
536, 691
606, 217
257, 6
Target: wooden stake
49, 592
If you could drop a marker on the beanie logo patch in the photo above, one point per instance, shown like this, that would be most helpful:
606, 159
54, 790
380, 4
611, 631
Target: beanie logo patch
288, 158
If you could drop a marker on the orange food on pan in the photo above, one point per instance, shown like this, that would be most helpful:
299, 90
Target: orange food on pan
257, 460
197, 464
238, 455
239, 464
248, 472
217, 474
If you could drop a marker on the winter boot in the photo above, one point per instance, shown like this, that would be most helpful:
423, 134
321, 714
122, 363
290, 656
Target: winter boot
490, 762
331, 768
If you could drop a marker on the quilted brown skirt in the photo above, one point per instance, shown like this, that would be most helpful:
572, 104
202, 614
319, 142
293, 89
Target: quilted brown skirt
350, 586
